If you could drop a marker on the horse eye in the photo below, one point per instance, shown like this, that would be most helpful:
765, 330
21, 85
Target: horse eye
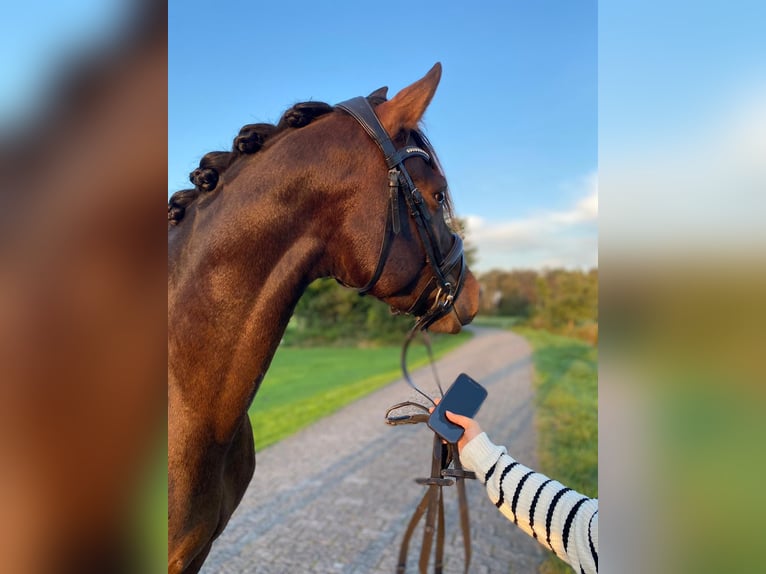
440, 197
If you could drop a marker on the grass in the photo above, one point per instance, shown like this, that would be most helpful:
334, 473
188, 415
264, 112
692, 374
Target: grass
306, 384
566, 381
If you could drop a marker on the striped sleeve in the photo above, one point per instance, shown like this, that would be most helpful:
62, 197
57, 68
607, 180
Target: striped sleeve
562, 520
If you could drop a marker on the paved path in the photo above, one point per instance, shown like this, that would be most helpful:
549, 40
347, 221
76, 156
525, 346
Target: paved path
336, 497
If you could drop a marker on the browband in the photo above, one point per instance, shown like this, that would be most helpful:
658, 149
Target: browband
362, 111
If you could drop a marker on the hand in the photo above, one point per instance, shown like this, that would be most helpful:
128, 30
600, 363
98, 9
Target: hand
472, 428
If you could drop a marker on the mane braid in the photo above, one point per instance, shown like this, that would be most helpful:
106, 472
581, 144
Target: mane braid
212, 164
252, 137
250, 140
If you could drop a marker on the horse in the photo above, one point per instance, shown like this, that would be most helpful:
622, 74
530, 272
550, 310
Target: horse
352, 191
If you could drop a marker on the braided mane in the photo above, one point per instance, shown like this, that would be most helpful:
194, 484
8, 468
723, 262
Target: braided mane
250, 140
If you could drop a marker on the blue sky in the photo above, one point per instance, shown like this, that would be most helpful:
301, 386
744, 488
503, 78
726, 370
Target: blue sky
682, 129
527, 132
514, 120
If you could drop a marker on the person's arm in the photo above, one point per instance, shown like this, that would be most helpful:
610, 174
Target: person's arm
559, 518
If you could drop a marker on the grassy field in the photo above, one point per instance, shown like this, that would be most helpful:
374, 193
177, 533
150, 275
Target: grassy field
566, 383
304, 385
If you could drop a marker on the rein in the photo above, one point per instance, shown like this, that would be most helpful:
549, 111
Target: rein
432, 503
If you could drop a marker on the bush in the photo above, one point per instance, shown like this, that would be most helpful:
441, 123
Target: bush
560, 301
329, 314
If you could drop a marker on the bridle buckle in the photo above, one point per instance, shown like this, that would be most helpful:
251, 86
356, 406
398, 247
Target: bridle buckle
444, 296
393, 177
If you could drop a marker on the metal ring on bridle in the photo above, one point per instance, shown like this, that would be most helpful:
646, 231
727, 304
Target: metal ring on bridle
448, 296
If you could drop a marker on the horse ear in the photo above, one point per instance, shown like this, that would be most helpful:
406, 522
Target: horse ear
406, 108
379, 94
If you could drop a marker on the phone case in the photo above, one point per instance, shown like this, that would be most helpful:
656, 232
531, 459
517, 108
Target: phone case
465, 396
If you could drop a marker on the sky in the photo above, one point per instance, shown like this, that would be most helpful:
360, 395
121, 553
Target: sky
682, 130
514, 120
658, 106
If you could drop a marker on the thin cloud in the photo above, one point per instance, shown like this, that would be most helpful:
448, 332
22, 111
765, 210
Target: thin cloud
566, 238
693, 192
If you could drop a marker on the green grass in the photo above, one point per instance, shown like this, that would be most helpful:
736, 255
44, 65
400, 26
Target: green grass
306, 384
566, 381
707, 435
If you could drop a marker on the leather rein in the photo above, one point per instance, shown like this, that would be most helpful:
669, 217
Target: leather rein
432, 503
443, 455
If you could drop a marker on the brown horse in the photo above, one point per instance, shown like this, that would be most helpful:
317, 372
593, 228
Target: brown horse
311, 197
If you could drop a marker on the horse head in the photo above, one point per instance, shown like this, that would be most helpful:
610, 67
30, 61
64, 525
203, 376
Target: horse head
415, 261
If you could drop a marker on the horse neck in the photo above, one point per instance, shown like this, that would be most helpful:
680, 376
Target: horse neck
236, 273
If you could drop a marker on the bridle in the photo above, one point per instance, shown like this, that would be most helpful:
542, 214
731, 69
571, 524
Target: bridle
400, 184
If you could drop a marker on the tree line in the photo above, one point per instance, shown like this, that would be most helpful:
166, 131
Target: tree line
558, 300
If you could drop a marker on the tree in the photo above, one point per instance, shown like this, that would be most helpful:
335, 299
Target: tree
469, 250
331, 314
552, 299
567, 298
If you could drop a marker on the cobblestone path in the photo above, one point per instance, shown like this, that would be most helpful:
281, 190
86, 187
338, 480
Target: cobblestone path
336, 497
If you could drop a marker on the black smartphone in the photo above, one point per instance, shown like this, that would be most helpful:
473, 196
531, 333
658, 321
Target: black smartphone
464, 397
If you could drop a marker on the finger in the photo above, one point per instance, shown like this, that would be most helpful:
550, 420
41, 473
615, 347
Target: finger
458, 419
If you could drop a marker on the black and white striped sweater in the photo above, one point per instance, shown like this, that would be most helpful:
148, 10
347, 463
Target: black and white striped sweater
559, 518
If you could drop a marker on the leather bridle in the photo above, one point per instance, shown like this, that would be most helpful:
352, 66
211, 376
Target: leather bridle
401, 185
443, 269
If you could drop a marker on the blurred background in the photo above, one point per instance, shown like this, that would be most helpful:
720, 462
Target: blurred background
657, 108
83, 153
682, 170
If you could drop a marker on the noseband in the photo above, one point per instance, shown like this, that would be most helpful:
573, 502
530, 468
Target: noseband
400, 184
